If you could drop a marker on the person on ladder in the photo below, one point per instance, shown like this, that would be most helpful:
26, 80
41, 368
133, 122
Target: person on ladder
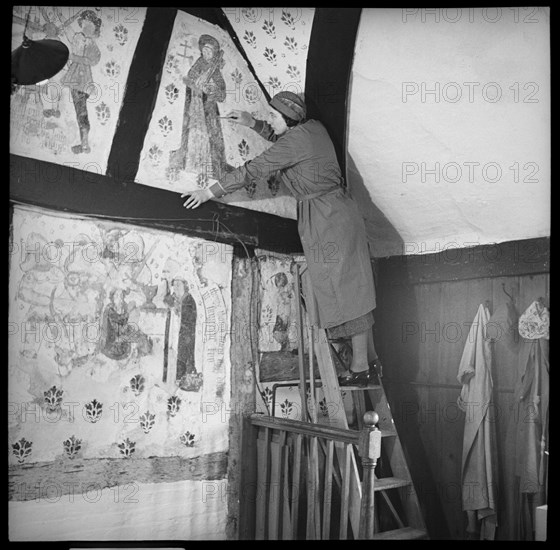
330, 226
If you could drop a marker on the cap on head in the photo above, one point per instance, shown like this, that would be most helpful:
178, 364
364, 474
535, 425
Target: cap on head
290, 105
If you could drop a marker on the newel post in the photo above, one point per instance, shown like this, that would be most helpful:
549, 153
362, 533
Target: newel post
369, 450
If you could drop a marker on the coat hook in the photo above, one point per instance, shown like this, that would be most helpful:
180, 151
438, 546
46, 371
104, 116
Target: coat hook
507, 293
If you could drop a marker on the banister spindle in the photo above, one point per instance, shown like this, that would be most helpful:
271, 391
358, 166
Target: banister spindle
369, 449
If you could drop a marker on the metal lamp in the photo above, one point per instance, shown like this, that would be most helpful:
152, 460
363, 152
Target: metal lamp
37, 60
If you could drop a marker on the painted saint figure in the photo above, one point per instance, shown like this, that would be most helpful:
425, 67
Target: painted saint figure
187, 332
202, 149
85, 54
181, 318
280, 332
115, 343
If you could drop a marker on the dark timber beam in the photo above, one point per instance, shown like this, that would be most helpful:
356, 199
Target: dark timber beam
329, 66
140, 93
63, 188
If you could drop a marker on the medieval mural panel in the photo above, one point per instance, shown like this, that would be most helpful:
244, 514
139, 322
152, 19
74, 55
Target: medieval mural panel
190, 143
278, 342
118, 354
71, 118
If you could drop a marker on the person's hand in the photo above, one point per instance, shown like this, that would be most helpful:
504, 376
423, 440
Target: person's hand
197, 197
241, 117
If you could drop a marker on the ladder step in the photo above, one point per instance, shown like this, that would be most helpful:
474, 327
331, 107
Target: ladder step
386, 483
401, 534
361, 388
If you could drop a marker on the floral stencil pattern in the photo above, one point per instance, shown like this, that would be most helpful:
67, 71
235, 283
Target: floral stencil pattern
71, 446
147, 421
276, 42
22, 449
93, 411
187, 439
127, 447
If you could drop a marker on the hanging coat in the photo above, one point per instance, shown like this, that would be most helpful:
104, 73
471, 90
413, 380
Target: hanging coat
330, 226
478, 474
527, 437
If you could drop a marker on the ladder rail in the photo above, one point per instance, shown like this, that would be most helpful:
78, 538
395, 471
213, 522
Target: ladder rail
323, 349
302, 384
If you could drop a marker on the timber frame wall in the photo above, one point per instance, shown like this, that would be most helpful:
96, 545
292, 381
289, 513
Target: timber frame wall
115, 195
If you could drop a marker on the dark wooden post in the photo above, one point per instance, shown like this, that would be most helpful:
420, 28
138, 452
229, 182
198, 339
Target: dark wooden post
242, 454
369, 450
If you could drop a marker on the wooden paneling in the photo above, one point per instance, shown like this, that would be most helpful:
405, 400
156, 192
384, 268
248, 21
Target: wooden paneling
421, 330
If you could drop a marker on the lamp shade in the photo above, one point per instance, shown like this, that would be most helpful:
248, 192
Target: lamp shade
38, 60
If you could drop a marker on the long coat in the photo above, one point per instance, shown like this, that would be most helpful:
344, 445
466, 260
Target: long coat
478, 471
527, 439
330, 226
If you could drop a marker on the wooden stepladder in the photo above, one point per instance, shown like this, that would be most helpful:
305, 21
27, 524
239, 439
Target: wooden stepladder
397, 509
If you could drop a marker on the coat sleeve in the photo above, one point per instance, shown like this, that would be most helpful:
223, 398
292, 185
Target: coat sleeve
287, 151
468, 358
265, 130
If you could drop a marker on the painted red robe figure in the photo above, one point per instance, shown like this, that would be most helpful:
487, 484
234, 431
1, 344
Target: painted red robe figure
202, 149
115, 343
182, 314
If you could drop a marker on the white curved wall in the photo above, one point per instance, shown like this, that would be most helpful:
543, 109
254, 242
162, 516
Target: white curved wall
449, 125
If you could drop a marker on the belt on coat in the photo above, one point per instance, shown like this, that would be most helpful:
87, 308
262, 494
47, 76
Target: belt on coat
322, 193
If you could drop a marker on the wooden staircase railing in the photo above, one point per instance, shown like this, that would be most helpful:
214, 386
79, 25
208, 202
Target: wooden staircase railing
296, 479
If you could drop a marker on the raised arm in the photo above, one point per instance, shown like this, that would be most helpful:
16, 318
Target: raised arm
260, 126
287, 151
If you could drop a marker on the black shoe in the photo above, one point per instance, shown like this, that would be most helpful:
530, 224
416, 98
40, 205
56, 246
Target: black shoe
354, 378
363, 378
